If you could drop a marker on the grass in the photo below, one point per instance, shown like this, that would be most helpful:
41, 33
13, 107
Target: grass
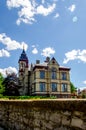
26, 97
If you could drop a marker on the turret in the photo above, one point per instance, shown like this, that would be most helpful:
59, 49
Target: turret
23, 73
23, 60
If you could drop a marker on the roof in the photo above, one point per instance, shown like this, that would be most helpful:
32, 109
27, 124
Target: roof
63, 68
41, 65
45, 65
23, 56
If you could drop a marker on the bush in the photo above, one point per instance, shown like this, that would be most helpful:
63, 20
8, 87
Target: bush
83, 96
21, 97
27, 97
53, 97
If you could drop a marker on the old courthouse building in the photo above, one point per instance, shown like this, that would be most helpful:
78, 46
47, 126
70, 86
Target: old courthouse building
45, 79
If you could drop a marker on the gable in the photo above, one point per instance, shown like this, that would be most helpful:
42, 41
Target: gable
53, 63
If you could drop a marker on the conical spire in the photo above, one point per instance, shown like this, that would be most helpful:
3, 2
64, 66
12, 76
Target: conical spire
23, 56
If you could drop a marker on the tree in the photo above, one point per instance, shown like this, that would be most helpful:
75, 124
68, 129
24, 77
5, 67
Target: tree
1, 86
73, 88
11, 85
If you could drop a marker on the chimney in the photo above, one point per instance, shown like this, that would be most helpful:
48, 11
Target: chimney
47, 59
37, 61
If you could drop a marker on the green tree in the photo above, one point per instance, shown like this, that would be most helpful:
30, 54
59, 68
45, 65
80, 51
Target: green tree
73, 88
83, 96
11, 85
1, 85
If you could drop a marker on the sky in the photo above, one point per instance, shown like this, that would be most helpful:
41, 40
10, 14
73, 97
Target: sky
54, 28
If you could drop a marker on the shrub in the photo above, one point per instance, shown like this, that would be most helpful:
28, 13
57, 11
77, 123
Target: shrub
83, 96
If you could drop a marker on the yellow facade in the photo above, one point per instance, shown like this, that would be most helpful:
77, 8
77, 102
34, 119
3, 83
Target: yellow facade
46, 79
52, 82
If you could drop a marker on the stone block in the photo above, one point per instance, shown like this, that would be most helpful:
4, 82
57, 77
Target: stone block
66, 121
76, 122
78, 114
36, 123
55, 117
48, 125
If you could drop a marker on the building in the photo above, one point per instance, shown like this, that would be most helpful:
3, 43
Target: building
44, 79
82, 93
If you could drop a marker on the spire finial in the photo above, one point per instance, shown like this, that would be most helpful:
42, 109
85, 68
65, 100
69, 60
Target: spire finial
23, 47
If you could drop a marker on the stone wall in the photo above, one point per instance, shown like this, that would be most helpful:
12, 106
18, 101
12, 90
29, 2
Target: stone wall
43, 114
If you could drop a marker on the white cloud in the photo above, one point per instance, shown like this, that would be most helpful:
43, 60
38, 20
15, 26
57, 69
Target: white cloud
4, 53
84, 82
43, 1
82, 55
82, 88
75, 55
72, 55
33, 46
8, 70
11, 44
55, 0
72, 8
56, 15
45, 11
18, 3
48, 52
35, 51
28, 9
75, 19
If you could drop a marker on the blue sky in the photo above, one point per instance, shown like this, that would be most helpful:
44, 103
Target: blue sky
45, 28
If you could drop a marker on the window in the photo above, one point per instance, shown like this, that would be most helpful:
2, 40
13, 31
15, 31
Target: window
64, 75
42, 86
54, 87
64, 87
34, 87
42, 74
53, 74
34, 75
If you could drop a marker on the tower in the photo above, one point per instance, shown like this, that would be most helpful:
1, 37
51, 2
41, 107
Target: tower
23, 73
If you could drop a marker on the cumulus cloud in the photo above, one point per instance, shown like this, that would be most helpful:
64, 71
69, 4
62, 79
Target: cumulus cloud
48, 52
4, 53
35, 51
8, 70
72, 55
72, 8
11, 44
84, 82
75, 19
82, 88
43, 1
28, 9
57, 15
45, 11
82, 55
33, 46
75, 55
